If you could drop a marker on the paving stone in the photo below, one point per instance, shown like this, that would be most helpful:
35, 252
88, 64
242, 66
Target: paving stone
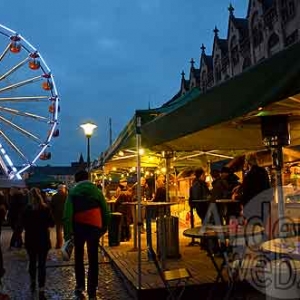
60, 276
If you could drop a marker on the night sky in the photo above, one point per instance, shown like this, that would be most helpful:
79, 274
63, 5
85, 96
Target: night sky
110, 58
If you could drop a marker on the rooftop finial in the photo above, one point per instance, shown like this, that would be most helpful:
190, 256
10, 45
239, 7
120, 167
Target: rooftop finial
231, 9
203, 49
216, 31
192, 63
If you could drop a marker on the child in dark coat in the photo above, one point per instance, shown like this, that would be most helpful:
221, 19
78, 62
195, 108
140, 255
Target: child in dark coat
37, 219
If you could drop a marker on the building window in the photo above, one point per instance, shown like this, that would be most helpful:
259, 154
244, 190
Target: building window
257, 37
287, 10
204, 81
256, 28
273, 44
292, 38
291, 8
217, 69
234, 51
247, 63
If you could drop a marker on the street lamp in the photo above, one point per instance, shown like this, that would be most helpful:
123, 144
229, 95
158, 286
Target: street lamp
88, 129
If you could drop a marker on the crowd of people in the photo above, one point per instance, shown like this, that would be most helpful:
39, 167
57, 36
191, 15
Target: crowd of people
227, 185
80, 215
126, 193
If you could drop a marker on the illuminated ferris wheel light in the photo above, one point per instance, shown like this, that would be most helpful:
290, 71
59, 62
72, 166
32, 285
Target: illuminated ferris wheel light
27, 124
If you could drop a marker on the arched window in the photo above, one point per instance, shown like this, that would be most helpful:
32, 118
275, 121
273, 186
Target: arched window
204, 80
273, 44
246, 63
256, 28
234, 51
217, 69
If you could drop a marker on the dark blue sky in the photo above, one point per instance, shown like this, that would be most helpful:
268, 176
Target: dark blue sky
110, 58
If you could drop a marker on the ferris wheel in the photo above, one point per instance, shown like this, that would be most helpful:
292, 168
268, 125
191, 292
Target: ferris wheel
29, 105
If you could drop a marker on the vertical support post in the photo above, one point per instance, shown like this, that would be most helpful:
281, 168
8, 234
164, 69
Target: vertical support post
103, 182
278, 164
139, 197
110, 132
88, 160
168, 158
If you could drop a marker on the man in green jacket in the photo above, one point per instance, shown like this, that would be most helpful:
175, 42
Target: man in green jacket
85, 219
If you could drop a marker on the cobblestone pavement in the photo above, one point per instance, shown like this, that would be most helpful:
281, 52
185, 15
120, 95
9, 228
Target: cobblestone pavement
60, 276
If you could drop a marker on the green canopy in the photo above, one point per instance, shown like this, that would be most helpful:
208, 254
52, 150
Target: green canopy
227, 116
127, 137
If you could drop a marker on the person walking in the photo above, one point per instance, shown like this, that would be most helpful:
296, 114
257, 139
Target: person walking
16, 206
57, 207
86, 219
36, 220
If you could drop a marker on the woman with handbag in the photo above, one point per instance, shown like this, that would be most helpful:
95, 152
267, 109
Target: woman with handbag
37, 219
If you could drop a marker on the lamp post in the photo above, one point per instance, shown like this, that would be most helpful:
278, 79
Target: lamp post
88, 129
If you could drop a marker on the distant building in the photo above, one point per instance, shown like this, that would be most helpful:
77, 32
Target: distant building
64, 174
269, 27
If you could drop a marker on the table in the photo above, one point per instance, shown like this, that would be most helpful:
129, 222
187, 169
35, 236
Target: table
284, 266
225, 234
111, 203
287, 247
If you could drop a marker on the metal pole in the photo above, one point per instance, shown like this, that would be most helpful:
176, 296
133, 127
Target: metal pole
110, 132
139, 198
168, 163
278, 164
88, 160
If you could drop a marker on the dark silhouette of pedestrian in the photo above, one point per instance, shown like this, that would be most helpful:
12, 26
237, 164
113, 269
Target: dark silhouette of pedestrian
86, 220
37, 219
57, 207
16, 206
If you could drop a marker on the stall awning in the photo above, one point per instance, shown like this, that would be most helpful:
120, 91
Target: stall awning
227, 116
127, 137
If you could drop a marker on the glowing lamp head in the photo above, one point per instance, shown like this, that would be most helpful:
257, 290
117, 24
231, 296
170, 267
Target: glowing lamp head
88, 128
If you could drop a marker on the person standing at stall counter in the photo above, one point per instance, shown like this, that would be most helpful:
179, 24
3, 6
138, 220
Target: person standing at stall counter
199, 191
86, 218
